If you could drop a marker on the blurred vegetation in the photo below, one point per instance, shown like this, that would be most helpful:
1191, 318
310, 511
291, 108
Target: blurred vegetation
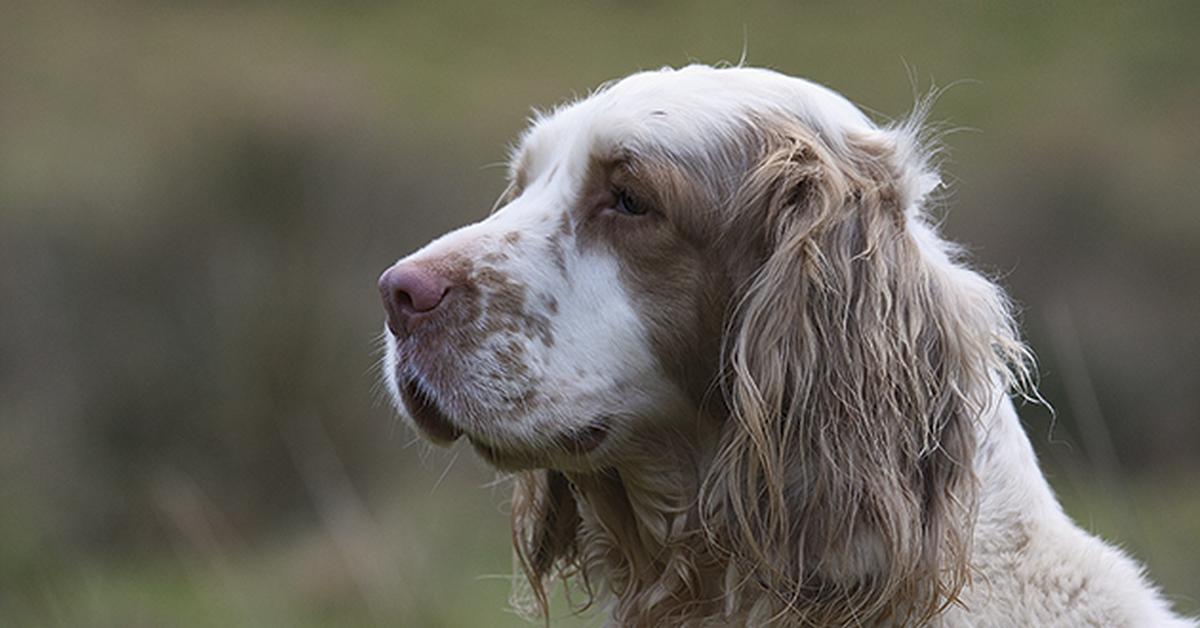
196, 198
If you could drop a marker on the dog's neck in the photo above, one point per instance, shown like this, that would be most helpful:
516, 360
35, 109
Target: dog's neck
1030, 562
641, 533
642, 536
1013, 490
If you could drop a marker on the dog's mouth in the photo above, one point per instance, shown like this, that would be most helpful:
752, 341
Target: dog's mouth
437, 427
576, 443
426, 413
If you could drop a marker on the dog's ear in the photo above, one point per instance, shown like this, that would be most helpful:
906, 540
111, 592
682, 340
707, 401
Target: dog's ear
545, 526
858, 361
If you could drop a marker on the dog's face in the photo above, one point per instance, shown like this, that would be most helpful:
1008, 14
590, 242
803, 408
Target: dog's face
587, 311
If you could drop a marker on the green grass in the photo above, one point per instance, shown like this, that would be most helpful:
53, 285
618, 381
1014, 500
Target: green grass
428, 557
441, 558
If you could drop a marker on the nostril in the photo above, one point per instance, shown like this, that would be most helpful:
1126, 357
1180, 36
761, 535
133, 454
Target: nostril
408, 290
403, 300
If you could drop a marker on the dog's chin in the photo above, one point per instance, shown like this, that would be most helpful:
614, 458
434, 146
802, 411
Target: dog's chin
426, 413
507, 459
572, 449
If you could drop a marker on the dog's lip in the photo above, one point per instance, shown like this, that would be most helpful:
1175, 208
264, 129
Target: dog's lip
426, 413
587, 439
502, 459
436, 426
578, 442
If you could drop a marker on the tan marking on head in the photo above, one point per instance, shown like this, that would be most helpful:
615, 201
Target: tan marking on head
507, 310
511, 357
558, 243
666, 261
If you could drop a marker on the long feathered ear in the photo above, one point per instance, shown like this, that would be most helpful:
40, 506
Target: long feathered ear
859, 359
545, 527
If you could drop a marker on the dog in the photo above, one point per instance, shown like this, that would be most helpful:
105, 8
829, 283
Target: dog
738, 376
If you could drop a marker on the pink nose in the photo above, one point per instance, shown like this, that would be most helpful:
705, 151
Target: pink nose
410, 291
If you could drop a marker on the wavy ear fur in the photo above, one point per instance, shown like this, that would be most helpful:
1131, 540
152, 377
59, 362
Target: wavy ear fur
545, 525
859, 360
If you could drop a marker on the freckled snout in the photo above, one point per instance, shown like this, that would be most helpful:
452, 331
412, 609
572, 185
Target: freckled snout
410, 293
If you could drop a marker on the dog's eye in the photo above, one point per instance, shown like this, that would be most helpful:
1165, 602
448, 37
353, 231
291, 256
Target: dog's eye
628, 205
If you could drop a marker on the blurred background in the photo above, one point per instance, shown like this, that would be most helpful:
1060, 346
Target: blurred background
196, 200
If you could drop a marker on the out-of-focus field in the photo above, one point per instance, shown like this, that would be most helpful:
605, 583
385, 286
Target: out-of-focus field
195, 200
440, 558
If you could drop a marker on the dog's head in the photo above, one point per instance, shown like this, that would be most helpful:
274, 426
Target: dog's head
737, 260
591, 304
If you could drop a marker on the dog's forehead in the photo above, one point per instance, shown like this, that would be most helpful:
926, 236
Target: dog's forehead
678, 111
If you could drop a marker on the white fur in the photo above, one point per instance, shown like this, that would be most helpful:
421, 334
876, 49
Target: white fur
1032, 565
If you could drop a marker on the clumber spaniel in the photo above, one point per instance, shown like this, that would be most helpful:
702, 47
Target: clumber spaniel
739, 377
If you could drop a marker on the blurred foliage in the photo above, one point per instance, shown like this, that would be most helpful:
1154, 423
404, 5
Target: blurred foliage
195, 199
